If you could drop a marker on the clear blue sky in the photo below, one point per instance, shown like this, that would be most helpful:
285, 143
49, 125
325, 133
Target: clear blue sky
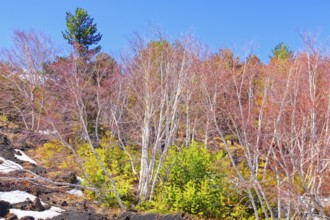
216, 23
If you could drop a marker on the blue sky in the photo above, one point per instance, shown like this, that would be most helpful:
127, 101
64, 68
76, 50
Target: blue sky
234, 24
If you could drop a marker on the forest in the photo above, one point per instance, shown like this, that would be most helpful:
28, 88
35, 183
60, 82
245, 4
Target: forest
173, 127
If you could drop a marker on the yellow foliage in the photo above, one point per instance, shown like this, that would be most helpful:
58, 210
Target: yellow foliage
53, 153
3, 120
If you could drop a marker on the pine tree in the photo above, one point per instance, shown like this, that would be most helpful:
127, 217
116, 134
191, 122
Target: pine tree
81, 32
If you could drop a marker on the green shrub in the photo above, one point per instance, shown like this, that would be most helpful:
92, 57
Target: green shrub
54, 154
117, 164
192, 184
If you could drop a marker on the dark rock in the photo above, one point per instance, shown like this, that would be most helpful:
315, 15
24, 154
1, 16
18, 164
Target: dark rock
70, 178
4, 140
27, 147
26, 205
11, 216
75, 215
4, 208
38, 206
18, 153
29, 200
29, 207
64, 203
27, 218
150, 216
37, 193
6, 149
9, 185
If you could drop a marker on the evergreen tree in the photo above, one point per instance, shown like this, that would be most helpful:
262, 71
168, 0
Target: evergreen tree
282, 52
81, 32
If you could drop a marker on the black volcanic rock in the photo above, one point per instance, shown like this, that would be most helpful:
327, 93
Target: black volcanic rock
6, 149
11, 216
149, 216
4, 208
64, 203
38, 206
27, 218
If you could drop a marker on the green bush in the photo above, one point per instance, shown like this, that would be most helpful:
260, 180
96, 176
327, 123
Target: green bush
54, 154
117, 164
192, 184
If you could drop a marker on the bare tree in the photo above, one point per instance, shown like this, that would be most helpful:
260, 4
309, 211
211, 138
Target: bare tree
279, 115
157, 75
23, 79
75, 85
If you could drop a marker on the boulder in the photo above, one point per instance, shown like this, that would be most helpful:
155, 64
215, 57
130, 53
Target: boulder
6, 149
26, 205
4, 140
27, 218
11, 216
150, 216
4, 208
38, 206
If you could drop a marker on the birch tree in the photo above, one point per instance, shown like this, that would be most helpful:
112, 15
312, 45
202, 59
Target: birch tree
24, 77
157, 74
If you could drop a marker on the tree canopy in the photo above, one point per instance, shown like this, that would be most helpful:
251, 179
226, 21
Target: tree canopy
81, 32
282, 52
174, 127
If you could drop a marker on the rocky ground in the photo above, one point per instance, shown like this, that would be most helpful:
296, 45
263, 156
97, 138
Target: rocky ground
21, 197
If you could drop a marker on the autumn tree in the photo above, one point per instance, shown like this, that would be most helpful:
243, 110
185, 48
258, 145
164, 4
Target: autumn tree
264, 128
75, 104
156, 76
279, 129
23, 76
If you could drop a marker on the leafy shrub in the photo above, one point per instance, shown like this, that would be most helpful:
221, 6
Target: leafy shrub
192, 184
54, 154
117, 164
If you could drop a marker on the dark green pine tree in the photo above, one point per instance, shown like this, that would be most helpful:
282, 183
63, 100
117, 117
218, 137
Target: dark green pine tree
81, 32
